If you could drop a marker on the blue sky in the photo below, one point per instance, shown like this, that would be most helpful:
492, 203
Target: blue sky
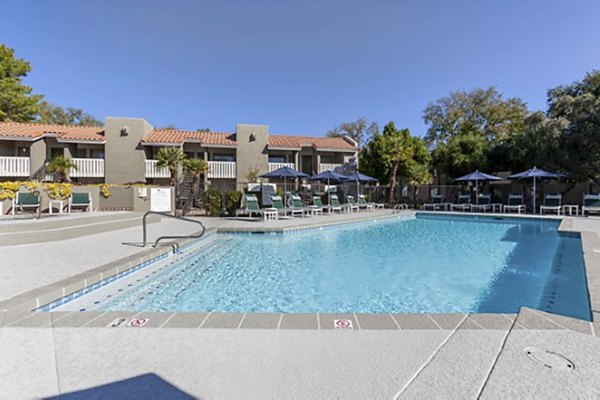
301, 67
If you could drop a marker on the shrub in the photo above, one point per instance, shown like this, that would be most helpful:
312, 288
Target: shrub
233, 201
59, 191
8, 190
212, 202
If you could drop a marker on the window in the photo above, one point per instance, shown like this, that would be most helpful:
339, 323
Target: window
327, 159
23, 152
96, 153
223, 157
277, 159
80, 153
56, 152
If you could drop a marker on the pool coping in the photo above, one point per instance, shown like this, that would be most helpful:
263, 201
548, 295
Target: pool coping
19, 311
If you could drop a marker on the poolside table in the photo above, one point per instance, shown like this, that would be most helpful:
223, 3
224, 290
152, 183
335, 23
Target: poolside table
497, 206
570, 208
270, 214
60, 207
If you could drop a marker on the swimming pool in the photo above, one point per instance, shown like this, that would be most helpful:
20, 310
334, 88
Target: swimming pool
427, 263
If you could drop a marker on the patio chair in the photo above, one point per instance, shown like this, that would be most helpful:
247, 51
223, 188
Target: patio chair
314, 208
484, 203
278, 205
352, 203
330, 208
80, 200
362, 203
514, 202
26, 200
437, 202
297, 207
552, 202
335, 201
591, 202
251, 207
463, 203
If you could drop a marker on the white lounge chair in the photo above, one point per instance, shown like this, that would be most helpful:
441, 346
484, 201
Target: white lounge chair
26, 200
514, 203
552, 202
463, 204
80, 200
437, 202
484, 203
591, 202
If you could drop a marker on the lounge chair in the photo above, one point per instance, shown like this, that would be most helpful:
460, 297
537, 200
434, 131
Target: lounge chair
484, 203
330, 208
26, 200
362, 203
278, 205
591, 202
552, 202
335, 201
251, 206
463, 204
297, 207
80, 200
352, 203
514, 202
437, 202
314, 208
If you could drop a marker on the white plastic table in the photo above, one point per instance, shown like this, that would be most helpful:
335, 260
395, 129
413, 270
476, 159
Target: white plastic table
60, 206
570, 208
270, 214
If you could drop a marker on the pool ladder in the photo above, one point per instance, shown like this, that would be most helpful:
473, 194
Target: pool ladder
165, 214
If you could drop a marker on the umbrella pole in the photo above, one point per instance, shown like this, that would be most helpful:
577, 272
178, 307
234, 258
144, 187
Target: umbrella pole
534, 194
328, 194
476, 191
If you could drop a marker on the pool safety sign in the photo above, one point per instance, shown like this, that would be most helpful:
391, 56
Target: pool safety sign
160, 199
138, 322
342, 324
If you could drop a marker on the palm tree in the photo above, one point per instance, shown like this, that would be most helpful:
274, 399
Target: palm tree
170, 158
396, 150
62, 166
195, 167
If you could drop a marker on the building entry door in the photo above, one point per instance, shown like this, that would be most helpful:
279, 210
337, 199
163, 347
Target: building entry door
307, 165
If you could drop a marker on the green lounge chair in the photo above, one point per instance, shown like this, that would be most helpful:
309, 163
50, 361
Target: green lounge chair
552, 202
330, 208
362, 199
335, 202
314, 208
437, 202
297, 207
278, 205
81, 200
484, 203
352, 203
362, 203
26, 200
463, 204
514, 202
591, 202
250, 208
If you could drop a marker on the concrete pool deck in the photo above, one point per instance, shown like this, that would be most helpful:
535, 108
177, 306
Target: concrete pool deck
243, 355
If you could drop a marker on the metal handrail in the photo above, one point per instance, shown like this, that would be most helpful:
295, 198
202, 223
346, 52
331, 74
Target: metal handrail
165, 214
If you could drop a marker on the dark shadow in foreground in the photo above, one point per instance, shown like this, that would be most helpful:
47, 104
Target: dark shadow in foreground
148, 386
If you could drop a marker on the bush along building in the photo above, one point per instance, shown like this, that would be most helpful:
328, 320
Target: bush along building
124, 150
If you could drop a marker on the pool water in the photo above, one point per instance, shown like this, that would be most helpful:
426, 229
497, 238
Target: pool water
432, 264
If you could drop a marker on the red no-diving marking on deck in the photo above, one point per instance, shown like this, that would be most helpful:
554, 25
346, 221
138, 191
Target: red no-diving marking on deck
342, 324
138, 322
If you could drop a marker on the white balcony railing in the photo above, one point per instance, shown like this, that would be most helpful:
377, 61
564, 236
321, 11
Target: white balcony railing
221, 169
276, 165
88, 168
14, 166
152, 171
329, 167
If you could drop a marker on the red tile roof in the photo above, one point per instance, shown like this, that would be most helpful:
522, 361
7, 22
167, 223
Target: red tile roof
285, 141
63, 132
177, 136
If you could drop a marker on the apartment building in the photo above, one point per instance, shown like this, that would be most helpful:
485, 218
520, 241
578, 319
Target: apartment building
124, 150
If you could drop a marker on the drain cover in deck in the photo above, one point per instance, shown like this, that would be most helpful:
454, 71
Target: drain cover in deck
549, 359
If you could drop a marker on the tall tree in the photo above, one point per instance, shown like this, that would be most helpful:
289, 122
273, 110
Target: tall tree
464, 126
360, 130
195, 167
53, 114
396, 146
17, 103
170, 158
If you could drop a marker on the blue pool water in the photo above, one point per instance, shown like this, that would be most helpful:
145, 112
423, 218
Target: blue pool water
432, 264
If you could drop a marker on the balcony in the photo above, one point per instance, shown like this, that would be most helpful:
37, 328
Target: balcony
221, 169
14, 166
152, 171
88, 168
276, 165
330, 167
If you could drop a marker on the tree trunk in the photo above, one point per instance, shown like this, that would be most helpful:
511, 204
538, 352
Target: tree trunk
393, 172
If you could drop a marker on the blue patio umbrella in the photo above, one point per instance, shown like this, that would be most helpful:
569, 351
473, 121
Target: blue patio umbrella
360, 178
329, 176
284, 173
536, 173
476, 177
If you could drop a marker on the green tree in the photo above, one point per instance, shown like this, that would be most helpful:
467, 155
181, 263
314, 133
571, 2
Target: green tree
371, 162
17, 103
53, 114
396, 149
464, 127
195, 167
170, 158
360, 130
61, 166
